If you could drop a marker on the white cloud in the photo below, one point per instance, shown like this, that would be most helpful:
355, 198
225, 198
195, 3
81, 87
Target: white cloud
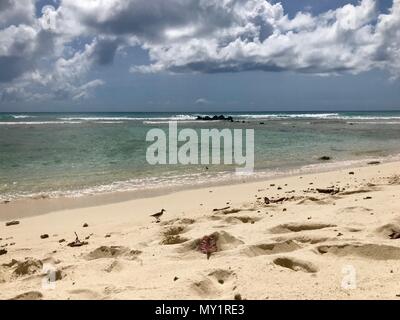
264, 38
205, 36
202, 101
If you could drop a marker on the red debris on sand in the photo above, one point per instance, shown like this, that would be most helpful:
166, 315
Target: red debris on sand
208, 245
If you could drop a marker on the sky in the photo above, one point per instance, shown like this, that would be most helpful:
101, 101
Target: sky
199, 55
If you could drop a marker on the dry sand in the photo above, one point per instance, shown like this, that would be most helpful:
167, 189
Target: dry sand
304, 247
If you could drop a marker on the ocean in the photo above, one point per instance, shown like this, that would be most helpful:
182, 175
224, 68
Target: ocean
75, 154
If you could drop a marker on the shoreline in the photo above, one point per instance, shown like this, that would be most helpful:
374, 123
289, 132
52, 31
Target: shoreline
294, 246
42, 204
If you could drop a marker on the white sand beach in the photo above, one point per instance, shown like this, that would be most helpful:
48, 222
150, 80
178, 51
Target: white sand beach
303, 244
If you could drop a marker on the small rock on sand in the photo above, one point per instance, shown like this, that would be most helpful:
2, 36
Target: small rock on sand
3, 251
12, 223
85, 225
44, 236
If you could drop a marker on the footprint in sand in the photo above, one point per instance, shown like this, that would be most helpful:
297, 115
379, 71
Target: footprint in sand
271, 248
84, 294
205, 288
244, 219
370, 251
295, 264
355, 209
303, 238
221, 276
114, 266
297, 227
113, 252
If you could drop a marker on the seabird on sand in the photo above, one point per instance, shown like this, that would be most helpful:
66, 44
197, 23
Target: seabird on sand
158, 215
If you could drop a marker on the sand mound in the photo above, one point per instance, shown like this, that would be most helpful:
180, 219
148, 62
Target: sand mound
386, 230
173, 239
174, 230
112, 252
370, 251
271, 248
226, 211
295, 264
313, 200
184, 221
31, 295
297, 227
224, 240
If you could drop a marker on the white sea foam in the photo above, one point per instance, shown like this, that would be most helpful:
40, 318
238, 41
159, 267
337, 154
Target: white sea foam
22, 116
180, 117
194, 179
322, 116
289, 116
12, 123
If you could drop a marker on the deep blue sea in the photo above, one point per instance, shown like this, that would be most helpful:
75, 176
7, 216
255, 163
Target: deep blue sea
73, 154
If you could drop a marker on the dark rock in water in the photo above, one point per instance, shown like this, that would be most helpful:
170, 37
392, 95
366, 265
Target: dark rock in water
12, 223
44, 236
262, 123
373, 162
215, 118
3, 251
324, 158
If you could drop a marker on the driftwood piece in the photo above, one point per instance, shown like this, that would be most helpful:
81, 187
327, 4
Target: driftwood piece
77, 242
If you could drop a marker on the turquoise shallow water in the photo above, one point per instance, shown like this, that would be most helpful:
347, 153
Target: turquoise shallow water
72, 154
